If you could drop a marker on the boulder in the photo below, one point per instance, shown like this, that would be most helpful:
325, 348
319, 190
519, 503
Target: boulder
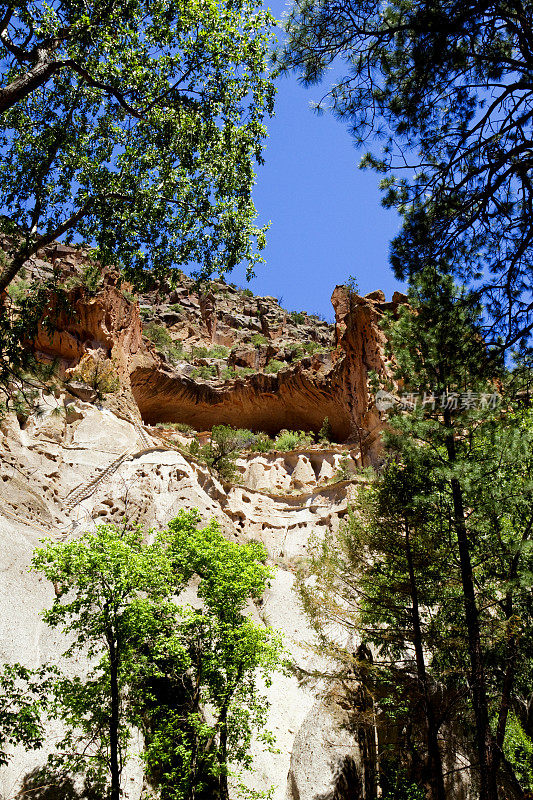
243, 357
326, 761
377, 295
399, 297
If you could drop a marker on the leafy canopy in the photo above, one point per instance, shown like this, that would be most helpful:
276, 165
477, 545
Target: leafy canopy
134, 126
22, 704
109, 588
227, 658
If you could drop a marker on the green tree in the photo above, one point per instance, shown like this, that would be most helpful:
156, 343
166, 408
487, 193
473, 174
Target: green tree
108, 586
188, 677
503, 515
23, 701
446, 90
133, 126
325, 434
382, 579
214, 658
225, 445
440, 355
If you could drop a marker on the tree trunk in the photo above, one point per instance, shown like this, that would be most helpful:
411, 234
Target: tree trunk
33, 245
486, 765
223, 754
11, 269
508, 681
435, 760
114, 723
24, 85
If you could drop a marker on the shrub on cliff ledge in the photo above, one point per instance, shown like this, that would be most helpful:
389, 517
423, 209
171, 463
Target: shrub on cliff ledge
263, 443
298, 317
99, 373
325, 434
258, 340
205, 372
163, 341
219, 351
274, 366
225, 445
290, 440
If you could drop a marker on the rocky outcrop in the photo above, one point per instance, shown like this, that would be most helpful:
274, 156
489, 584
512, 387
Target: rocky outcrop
294, 471
299, 396
105, 322
218, 313
362, 344
266, 370
326, 760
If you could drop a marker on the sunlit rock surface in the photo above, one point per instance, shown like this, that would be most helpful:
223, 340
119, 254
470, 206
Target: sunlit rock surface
77, 450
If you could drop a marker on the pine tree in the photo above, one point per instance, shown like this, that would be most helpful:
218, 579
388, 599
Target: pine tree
434, 567
381, 577
443, 361
445, 91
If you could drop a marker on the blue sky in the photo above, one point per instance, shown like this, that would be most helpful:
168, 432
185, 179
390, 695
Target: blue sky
326, 219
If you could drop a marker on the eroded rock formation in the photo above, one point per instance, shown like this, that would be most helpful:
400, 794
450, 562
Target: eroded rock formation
299, 396
86, 460
238, 387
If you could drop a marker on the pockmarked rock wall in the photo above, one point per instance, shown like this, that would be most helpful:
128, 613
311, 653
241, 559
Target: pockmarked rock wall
79, 464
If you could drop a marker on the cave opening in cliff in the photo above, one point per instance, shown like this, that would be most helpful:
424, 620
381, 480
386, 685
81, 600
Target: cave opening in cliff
161, 399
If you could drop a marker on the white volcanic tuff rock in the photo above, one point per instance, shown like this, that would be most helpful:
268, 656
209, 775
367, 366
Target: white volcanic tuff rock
303, 474
326, 762
25, 638
263, 474
101, 431
41, 465
283, 472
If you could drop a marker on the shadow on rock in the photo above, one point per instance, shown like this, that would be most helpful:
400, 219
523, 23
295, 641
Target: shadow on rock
45, 784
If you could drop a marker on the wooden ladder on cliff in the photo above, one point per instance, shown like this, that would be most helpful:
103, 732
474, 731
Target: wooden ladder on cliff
85, 490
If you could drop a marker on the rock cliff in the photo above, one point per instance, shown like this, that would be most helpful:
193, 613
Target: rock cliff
205, 355
91, 457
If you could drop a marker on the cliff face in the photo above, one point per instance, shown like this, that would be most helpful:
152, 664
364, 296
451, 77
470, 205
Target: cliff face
86, 460
332, 383
219, 355
79, 464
